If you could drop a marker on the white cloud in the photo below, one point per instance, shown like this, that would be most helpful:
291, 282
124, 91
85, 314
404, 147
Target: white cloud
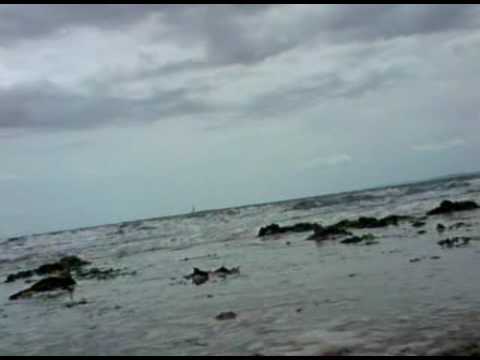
331, 160
441, 146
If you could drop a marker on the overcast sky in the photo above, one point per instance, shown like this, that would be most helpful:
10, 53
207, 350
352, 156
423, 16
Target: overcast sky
119, 112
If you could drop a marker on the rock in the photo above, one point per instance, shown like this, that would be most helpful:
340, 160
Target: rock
230, 315
435, 257
415, 260
147, 228
418, 224
321, 233
472, 349
337, 352
47, 284
102, 274
17, 238
368, 238
50, 269
274, 229
73, 262
64, 265
448, 207
454, 242
371, 222
200, 277
458, 225
305, 205
421, 232
352, 240
446, 243
270, 230
19, 275
441, 228
76, 303
223, 271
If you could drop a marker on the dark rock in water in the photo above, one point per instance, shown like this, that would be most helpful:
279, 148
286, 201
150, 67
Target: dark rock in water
64, 265
223, 271
321, 233
447, 207
435, 257
459, 225
352, 240
50, 269
44, 285
230, 315
415, 260
454, 242
147, 228
305, 205
446, 243
472, 349
371, 222
358, 239
200, 277
421, 232
418, 224
337, 352
19, 275
130, 224
270, 230
274, 229
73, 262
15, 239
76, 303
102, 274
441, 228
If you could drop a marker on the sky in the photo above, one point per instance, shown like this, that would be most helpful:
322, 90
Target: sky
119, 112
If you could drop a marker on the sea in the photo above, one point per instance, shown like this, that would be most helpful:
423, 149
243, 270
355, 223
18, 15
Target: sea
403, 295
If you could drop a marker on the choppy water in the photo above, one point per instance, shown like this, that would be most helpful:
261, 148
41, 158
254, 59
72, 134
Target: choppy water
292, 296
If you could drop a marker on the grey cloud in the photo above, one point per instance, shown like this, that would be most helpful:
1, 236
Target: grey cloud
20, 22
149, 72
230, 33
323, 87
232, 37
47, 106
370, 22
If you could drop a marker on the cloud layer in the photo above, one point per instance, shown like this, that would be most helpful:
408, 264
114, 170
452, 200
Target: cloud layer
150, 62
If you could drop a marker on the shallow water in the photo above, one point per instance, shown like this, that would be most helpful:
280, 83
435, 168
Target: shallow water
292, 296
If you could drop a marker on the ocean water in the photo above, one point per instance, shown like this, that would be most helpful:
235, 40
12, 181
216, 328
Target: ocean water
292, 296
